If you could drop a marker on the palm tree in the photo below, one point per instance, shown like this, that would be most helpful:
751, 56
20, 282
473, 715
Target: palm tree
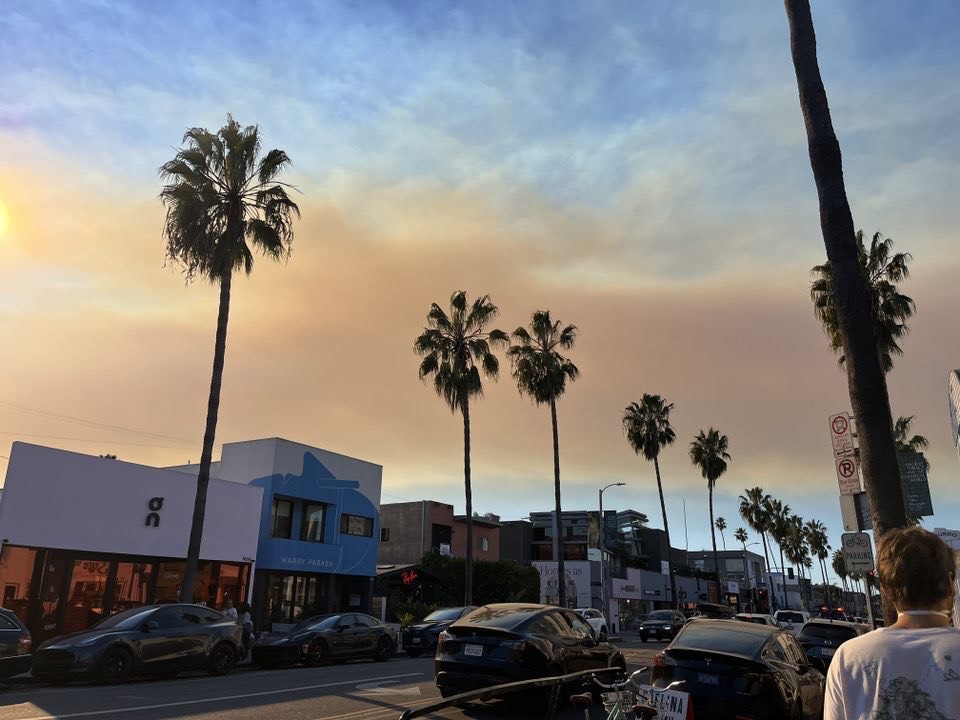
840, 567
882, 270
866, 379
906, 443
721, 525
648, 429
542, 373
797, 550
819, 546
457, 351
223, 200
708, 451
779, 523
755, 510
740, 535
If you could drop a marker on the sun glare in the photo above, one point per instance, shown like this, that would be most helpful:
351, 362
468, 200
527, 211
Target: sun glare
4, 218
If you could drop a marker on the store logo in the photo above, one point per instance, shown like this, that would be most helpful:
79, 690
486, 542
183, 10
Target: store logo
153, 517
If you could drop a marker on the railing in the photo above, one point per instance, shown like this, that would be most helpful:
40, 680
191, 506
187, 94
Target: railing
496, 691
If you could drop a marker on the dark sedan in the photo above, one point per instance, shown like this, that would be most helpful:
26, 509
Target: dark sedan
661, 624
150, 640
736, 669
326, 638
821, 638
15, 645
511, 641
422, 637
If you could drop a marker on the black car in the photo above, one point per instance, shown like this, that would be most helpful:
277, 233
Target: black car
15, 645
513, 641
325, 638
821, 637
736, 669
150, 640
661, 624
422, 637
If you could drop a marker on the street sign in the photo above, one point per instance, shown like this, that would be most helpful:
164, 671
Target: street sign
840, 435
857, 552
916, 488
847, 475
848, 513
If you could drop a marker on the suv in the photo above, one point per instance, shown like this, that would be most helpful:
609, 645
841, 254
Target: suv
661, 624
597, 621
15, 645
791, 620
821, 638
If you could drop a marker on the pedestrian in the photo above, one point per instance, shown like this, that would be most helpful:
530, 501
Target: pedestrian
229, 610
246, 622
912, 668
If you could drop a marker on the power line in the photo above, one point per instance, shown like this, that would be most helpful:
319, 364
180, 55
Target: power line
95, 440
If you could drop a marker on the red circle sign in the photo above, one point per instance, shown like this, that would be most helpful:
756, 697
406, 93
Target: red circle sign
839, 425
847, 468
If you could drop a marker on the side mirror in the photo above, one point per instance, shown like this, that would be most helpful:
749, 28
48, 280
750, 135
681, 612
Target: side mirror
150, 625
341, 628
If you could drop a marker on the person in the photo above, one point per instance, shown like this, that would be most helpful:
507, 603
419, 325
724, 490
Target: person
246, 622
912, 668
229, 610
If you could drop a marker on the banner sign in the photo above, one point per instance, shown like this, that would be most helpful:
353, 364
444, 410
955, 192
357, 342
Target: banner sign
916, 488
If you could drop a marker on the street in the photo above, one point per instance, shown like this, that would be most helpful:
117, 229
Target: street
354, 691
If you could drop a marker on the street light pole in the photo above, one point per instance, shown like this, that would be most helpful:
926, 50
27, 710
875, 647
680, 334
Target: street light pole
603, 550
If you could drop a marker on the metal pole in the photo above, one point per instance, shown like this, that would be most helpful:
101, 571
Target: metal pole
603, 548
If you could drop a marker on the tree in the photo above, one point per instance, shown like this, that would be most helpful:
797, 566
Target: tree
740, 535
865, 375
755, 510
819, 546
457, 352
779, 525
881, 271
708, 452
542, 373
648, 429
721, 525
797, 550
223, 201
840, 567
912, 444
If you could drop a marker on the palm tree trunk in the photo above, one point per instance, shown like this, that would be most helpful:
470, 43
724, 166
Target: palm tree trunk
468, 494
771, 594
746, 568
666, 533
865, 377
206, 455
826, 581
783, 577
561, 570
713, 535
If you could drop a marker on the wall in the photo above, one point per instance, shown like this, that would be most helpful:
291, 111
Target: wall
481, 530
409, 533
58, 499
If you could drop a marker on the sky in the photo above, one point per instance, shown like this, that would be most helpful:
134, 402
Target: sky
639, 169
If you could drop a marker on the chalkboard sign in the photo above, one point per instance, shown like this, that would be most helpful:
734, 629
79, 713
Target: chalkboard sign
916, 488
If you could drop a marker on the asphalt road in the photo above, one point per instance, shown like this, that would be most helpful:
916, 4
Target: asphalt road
351, 691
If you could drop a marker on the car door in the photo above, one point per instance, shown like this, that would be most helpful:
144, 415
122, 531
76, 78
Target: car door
342, 639
10, 633
811, 680
583, 651
161, 639
366, 635
198, 634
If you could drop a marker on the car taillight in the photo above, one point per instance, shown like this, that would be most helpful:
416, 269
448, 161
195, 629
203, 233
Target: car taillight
663, 660
442, 638
24, 646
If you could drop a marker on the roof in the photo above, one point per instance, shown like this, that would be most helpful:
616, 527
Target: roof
734, 625
504, 616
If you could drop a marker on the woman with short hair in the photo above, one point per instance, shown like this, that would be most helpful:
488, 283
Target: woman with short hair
912, 668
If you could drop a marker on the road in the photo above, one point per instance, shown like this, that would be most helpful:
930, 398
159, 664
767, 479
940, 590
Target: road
351, 691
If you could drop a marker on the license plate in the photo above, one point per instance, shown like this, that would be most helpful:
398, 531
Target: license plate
415, 641
707, 679
473, 650
827, 652
670, 704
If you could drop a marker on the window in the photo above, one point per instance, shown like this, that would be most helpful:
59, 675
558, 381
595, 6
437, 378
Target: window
314, 515
548, 627
168, 617
7, 624
281, 518
356, 525
365, 621
580, 627
384, 534
484, 544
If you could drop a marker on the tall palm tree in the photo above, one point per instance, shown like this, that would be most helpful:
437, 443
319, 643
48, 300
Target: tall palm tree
223, 201
648, 429
907, 443
755, 510
866, 379
797, 549
740, 535
839, 567
721, 525
779, 524
882, 269
708, 452
819, 546
542, 373
457, 351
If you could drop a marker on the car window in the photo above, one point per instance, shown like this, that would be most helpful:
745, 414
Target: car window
661, 616
202, 616
7, 624
365, 620
775, 651
548, 626
578, 626
819, 631
165, 618
348, 620
794, 651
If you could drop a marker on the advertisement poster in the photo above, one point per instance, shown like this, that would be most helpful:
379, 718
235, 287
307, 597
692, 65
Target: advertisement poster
578, 583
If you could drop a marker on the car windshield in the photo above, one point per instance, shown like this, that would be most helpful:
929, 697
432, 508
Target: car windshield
822, 631
789, 617
504, 618
444, 614
125, 620
317, 622
661, 615
758, 620
710, 637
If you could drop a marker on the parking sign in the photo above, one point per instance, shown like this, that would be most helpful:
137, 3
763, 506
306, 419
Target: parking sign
857, 552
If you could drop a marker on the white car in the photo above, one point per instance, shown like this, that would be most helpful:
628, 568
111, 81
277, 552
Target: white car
791, 620
757, 618
596, 619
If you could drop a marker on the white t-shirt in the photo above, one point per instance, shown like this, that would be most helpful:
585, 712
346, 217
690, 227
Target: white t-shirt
896, 674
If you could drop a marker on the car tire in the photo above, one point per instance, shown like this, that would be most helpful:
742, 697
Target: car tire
222, 659
384, 650
317, 654
115, 665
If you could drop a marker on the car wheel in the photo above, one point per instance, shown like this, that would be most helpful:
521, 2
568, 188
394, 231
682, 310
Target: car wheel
384, 650
318, 653
222, 659
115, 665
413, 653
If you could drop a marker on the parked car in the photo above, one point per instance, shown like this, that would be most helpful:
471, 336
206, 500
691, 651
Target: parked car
422, 637
736, 669
596, 620
153, 639
821, 637
791, 620
326, 638
15, 645
757, 618
662, 625
516, 641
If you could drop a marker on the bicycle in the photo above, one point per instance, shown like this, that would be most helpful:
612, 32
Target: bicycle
620, 702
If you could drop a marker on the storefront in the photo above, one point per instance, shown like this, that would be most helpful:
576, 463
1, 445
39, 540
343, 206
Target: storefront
85, 536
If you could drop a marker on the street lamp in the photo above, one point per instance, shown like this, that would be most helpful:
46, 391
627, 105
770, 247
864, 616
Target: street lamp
603, 548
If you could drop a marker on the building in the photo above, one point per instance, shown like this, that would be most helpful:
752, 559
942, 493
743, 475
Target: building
953, 388
86, 536
410, 530
738, 581
516, 541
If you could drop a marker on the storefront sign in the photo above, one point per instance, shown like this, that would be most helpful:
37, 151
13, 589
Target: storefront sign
153, 517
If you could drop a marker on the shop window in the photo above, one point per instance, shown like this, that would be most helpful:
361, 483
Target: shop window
356, 525
384, 534
233, 584
132, 586
169, 580
16, 571
314, 516
88, 584
484, 544
281, 518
